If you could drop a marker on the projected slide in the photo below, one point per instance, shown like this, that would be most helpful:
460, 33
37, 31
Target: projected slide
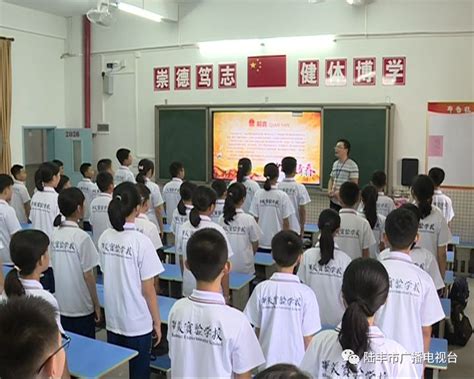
266, 137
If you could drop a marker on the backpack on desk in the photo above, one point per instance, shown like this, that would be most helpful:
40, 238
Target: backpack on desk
460, 330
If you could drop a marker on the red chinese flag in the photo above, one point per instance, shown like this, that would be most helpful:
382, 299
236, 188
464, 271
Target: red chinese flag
266, 71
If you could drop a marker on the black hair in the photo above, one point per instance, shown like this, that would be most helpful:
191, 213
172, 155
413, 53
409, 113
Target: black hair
186, 191
288, 165
206, 253
58, 163
379, 179
5, 182
287, 246
423, 190
437, 175
16, 169
401, 227
349, 193
329, 221
203, 198
412, 208
175, 168
29, 333
144, 166
270, 172
26, 249
45, 174
104, 180
144, 193
347, 144
104, 165
220, 187
244, 167
365, 287
68, 201
282, 371
84, 167
235, 194
369, 196
122, 155
62, 182
124, 202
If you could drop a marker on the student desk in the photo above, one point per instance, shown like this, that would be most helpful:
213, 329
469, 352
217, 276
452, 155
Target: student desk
25, 225
170, 252
449, 277
265, 266
89, 358
167, 232
312, 230
439, 349
172, 279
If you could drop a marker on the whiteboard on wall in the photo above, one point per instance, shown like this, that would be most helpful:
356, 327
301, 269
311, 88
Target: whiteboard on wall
450, 142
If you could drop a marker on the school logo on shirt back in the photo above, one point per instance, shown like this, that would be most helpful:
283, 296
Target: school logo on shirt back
405, 287
64, 247
282, 302
425, 227
269, 202
100, 208
40, 206
116, 250
231, 229
200, 332
349, 233
326, 270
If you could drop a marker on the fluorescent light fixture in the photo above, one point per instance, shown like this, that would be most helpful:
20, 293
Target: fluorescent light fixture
139, 12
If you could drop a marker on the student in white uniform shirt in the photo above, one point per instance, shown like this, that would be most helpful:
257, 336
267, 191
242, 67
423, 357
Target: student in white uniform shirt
433, 228
376, 220
171, 189
441, 200
244, 171
385, 204
181, 213
105, 164
284, 311
99, 216
74, 257
64, 183
204, 202
355, 234
130, 265
340, 353
142, 222
9, 224
297, 193
221, 190
241, 229
123, 173
271, 207
44, 209
60, 165
207, 338
413, 305
90, 191
146, 170
29, 252
322, 268
21, 198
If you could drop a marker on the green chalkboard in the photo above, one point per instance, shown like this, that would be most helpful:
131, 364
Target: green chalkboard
366, 130
182, 136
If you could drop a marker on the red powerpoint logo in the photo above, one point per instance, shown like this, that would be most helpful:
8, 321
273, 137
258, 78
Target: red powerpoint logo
251, 123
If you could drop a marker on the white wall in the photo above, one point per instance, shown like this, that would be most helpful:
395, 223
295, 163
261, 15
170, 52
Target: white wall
38, 71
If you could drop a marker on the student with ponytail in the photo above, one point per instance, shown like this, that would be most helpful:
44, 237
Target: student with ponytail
244, 170
221, 191
130, 265
181, 213
364, 289
322, 268
369, 196
171, 189
241, 229
74, 257
146, 170
271, 207
143, 223
433, 227
204, 202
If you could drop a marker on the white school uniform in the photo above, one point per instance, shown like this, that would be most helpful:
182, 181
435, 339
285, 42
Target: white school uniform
434, 231
179, 219
44, 209
218, 210
412, 303
326, 282
285, 311
271, 208
123, 174
377, 231
299, 196
90, 191
242, 231
354, 234
444, 203
252, 188
208, 339
20, 197
171, 196
99, 215
72, 254
9, 225
156, 200
148, 228
187, 230
385, 204
127, 259
323, 359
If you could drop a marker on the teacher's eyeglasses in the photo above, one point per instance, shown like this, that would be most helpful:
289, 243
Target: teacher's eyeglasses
66, 340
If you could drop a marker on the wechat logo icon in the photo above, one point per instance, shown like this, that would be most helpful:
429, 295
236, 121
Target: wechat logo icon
349, 356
